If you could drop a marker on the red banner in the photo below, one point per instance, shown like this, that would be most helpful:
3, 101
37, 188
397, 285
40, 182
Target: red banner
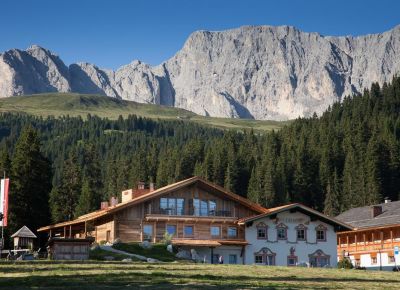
4, 200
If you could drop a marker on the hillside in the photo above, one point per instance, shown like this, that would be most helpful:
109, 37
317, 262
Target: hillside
123, 275
62, 104
260, 72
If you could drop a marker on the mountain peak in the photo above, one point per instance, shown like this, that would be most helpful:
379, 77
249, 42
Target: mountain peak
261, 72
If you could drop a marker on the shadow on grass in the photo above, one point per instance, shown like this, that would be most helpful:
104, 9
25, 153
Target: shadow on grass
171, 280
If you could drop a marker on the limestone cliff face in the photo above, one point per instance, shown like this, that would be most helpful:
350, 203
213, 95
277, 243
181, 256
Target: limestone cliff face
260, 72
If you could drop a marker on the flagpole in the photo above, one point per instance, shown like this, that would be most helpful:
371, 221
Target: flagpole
2, 221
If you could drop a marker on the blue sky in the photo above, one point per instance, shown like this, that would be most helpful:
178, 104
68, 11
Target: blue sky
115, 32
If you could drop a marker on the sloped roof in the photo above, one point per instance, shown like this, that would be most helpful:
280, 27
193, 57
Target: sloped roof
361, 217
302, 208
24, 232
100, 213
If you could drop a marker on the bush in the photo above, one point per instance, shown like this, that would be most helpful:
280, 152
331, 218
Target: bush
345, 264
102, 242
167, 238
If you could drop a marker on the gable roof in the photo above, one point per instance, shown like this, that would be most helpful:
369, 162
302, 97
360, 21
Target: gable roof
361, 217
163, 190
24, 232
302, 208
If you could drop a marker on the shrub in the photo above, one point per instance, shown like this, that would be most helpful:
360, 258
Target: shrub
102, 242
167, 238
345, 264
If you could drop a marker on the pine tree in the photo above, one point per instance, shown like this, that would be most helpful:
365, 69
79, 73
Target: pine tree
30, 183
5, 162
254, 189
332, 197
85, 203
64, 198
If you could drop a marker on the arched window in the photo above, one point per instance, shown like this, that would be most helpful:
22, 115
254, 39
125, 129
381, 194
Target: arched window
319, 259
301, 233
262, 231
281, 231
320, 232
265, 257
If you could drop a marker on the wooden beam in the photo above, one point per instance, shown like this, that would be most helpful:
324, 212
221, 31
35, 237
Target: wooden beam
65, 232
391, 238
70, 231
355, 239
85, 229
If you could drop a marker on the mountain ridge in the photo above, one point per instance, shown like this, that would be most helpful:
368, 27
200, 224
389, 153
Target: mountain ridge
261, 72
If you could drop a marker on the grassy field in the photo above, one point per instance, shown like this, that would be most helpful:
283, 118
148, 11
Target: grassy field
59, 104
119, 275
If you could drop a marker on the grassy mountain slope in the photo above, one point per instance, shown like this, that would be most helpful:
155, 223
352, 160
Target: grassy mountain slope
59, 104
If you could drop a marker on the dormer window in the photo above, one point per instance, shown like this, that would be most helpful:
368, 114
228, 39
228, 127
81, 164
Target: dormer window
262, 231
320, 233
301, 232
281, 231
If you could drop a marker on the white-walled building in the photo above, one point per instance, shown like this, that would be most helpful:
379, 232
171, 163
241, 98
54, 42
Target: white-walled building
291, 235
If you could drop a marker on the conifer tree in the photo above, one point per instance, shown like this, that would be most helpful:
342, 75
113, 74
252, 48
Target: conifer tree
30, 183
64, 198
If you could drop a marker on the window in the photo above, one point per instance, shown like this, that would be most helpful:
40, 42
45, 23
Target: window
212, 207
188, 231
147, 232
232, 232
267, 257
203, 208
180, 206
301, 233
262, 231
292, 260
319, 259
391, 259
163, 205
374, 260
281, 232
215, 231
232, 259
196, 207
321, 233
258, 259
171, 229
172, 206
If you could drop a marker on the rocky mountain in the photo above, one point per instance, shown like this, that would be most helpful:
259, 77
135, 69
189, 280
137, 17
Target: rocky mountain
260, 72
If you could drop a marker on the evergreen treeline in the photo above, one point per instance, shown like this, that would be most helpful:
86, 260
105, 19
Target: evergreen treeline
350, 156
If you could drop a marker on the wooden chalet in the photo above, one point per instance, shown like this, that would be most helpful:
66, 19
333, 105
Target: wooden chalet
376, 233
197, 213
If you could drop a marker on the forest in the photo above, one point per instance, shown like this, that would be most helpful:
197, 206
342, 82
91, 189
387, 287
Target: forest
63, 167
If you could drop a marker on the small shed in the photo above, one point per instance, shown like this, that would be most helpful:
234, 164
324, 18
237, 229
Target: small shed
69, 248
24, 239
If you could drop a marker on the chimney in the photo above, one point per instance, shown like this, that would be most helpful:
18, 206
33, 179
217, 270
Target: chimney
104, 205
113, 201
140, 185
387, 200
376, 210
152, 187
127, 195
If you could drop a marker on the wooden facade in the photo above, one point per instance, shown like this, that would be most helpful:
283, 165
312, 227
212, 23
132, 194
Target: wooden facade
369, 241
192, 209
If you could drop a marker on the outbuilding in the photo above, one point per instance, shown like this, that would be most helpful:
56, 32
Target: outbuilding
69, 248
24, 239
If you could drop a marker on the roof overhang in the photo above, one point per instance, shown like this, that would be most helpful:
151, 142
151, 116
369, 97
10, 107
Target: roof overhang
303, 209
163, 190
